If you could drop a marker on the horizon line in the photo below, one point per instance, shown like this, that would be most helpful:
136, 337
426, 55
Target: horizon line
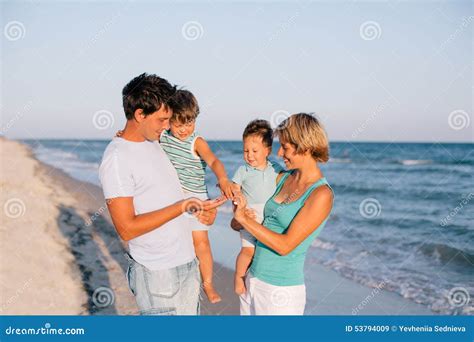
239, 140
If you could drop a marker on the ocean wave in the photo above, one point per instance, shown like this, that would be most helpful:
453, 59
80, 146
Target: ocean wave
69, 162
430, 169
414, 162
318, 243
348, 188
413, 223
410, 162
459, 162
415, 286
340, 160
403, 162
443, 254
64, 159
51, 153
70, 143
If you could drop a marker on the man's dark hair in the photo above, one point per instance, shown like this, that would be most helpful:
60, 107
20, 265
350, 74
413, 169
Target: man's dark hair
146, 92
185, 107
260, 128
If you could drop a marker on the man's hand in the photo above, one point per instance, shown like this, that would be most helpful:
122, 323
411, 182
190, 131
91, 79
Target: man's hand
205, 211
207, 217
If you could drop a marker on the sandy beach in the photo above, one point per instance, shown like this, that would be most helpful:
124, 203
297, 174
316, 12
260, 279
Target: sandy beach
61, 255
58, 246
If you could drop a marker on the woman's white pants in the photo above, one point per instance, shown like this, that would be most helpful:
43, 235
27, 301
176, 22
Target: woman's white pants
261, 298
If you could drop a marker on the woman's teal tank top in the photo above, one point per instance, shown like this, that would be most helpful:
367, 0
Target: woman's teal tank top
268, 265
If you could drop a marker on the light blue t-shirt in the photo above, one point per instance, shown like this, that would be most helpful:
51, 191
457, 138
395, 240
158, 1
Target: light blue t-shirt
257, 185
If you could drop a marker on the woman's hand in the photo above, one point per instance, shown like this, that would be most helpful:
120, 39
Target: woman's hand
251, 213
235, 225
240, 207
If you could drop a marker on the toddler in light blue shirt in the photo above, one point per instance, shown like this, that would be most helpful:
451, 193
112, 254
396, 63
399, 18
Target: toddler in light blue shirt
257, 180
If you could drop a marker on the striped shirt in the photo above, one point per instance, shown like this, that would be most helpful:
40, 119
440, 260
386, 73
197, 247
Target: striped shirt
191, 169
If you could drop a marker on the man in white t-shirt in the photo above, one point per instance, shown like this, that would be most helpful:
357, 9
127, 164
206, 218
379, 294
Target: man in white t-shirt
146, 203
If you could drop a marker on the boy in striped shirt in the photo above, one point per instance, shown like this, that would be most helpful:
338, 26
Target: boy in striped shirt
190, 153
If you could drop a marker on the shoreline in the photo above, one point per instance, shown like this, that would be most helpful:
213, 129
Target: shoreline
92, 256
81, 241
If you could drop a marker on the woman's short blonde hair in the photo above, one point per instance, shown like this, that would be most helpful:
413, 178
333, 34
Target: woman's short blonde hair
305, 133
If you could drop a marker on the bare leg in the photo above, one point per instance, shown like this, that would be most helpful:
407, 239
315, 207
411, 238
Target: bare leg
241, 266
204, 254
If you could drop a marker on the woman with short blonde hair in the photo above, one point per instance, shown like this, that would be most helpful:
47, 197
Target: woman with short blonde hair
293, 217
306, 133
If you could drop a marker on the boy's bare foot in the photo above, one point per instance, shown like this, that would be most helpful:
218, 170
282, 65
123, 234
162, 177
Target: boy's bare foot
211, 293
239, 285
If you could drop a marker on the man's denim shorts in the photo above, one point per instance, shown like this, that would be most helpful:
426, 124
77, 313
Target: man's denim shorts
174, 291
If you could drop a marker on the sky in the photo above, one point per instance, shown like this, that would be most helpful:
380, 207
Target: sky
371, 71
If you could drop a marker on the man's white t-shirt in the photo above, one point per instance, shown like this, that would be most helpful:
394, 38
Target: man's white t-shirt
143, 171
